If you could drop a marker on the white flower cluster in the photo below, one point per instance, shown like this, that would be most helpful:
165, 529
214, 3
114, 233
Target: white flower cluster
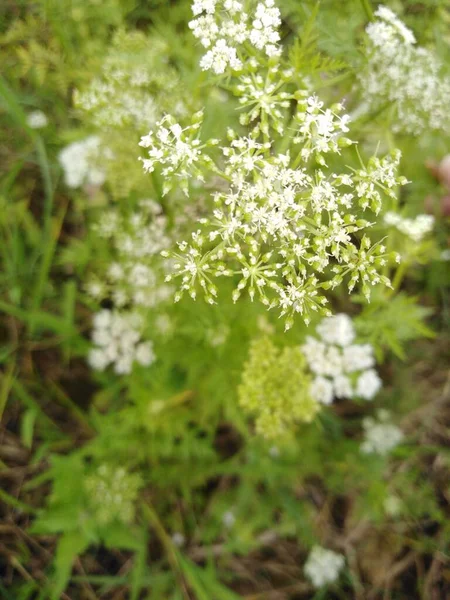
222, 26
135, 80
264, 99
37, 119
416, 228
178, 150
117, 339
280, 228
79, 162
321, 131
323, 566
380, 435
112, 493
342, 369
284, 225
133, 274
404, 77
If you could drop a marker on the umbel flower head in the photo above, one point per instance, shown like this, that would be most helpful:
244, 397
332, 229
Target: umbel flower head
80, 161
416, 229
224, 26
404, 78
118, 341
178, 150
275, 389
381, 436
323, 566
284, 225
112, 494
135, 81
284, 234
135, 85
133, 274
342, 369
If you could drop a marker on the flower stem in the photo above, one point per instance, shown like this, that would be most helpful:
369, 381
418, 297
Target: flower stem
367, 9
153, 519
398, 278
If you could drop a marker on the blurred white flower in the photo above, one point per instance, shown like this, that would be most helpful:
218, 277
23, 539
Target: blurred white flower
228, 519
37, 119
78, 161
337, 330
178, 539
321, 390
404, 76
368, 384
117, 341
342, 369
416, 228
323, 566
380, 435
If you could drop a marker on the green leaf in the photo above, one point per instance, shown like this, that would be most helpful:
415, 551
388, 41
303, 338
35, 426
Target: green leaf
27, 427
388, 323
69, 547
204, 582
120, 535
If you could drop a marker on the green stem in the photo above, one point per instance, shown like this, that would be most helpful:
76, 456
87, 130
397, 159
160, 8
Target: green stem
17, 504
335, 80
297, 161
398, 278
220, 173
367, 9
153, 519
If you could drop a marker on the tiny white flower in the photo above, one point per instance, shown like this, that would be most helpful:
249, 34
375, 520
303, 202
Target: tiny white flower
393, 506
368, 384
342, 387
78, 163
37, 119
321, 390
323, 566
337, 329
178, 539
117, 341
144, 354
228, 519
380, 436
98, 359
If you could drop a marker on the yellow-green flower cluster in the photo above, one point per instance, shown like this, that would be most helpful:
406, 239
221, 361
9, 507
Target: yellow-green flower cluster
275, 388
112, 494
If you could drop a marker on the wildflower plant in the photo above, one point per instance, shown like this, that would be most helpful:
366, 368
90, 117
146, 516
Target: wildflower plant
258, 187
284, 225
